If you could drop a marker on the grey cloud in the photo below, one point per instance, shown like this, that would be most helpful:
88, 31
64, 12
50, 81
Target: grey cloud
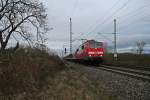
87, 16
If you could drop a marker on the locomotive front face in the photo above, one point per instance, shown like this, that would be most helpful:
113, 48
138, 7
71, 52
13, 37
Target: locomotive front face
90, 51
95, 49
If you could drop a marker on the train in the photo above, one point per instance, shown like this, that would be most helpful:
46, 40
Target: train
91, 51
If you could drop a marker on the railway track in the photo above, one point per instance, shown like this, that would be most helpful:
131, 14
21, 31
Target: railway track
130, 72
139, 74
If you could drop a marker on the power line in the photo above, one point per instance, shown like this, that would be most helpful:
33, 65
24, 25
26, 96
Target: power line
74, 8
137, 20
105, 37
131, 13
107, 11
99, 19
123, 6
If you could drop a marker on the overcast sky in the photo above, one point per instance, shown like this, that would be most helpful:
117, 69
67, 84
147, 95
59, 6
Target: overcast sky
93, 19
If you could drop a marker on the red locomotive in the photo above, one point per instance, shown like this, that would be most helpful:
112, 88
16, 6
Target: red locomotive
90, 51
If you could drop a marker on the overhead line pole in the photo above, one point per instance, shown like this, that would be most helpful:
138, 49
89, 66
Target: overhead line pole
115, 41
70, 36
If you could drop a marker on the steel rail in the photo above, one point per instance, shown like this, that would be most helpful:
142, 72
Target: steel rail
138, 74
134, 73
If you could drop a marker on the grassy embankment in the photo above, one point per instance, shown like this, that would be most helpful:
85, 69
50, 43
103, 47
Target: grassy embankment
26, 69
127, 59
32, 74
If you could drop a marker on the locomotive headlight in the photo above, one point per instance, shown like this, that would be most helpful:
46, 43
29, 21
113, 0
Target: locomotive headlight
90, 53
100, 52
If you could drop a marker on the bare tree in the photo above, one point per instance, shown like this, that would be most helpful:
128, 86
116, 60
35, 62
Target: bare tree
140, 46
22, 18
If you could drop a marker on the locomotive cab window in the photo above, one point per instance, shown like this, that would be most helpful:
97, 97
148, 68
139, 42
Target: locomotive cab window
77, 50
95, 44
98, 44
82, 47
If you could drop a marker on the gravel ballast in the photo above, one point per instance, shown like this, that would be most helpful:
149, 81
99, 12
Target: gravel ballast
123, 87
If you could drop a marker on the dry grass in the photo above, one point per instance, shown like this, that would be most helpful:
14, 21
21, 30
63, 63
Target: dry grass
128, 59
26, 70
32, 74
73, 85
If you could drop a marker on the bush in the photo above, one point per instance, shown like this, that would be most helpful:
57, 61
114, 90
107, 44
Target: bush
26, 70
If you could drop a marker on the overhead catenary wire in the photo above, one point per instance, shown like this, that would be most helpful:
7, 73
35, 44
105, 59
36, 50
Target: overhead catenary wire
130, 14
133, 12
134, 21
74, 8
114, 5
105, 37
109, 17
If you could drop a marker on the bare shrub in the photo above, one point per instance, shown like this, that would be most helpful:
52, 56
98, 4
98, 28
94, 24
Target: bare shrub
26, 70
